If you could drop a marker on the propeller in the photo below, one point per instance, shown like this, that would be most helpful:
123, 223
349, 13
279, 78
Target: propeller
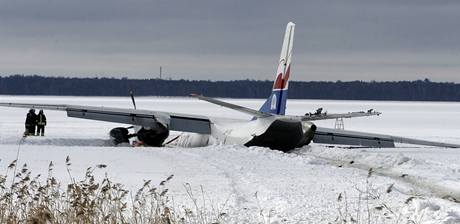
132, 99
134, 104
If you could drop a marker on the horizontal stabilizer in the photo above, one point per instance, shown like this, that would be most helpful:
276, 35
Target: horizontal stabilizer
239, 108
325, 116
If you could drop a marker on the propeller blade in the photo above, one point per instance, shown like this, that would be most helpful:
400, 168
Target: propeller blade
132, 99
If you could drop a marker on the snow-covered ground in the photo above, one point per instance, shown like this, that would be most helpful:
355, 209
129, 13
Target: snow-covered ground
314, 184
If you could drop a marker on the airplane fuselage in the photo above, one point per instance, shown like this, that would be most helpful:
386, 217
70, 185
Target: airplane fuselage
275, 132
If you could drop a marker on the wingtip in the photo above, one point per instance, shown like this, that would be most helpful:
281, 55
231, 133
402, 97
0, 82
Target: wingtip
196, 95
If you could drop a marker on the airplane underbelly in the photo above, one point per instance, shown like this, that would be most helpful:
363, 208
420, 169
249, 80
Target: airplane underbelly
280, 135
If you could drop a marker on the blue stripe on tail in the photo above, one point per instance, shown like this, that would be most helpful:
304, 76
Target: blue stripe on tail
276, 102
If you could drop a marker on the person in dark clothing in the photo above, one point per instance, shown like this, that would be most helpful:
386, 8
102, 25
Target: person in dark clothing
41, 123
31, 122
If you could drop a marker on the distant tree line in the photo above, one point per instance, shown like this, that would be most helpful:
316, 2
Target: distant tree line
419, 90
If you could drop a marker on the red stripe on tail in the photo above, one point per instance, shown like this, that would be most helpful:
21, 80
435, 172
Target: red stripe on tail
281, 83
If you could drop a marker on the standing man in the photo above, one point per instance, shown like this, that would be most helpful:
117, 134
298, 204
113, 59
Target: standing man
31, 122
41, 123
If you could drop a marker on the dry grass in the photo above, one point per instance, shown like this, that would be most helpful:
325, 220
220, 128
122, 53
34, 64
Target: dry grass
370, 206
34, 199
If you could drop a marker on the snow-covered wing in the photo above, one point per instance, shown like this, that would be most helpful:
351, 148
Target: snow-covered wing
145, 118
342, 137
315, 117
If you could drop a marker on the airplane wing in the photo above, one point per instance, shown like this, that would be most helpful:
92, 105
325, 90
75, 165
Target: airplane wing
145, 118
239, 108
342, 137
324, 116
307, 117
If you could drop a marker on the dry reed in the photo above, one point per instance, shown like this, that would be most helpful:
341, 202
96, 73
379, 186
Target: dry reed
33, 199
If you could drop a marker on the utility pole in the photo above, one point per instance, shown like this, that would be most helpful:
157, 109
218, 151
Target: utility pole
160, 72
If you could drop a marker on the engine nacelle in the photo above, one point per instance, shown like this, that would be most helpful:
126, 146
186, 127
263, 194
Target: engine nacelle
154, 136
119, 135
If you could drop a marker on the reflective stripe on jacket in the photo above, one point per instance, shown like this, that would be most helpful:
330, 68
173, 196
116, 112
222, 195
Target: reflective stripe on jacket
41, 119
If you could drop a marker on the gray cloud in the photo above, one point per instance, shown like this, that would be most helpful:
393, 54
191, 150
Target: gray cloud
223, 40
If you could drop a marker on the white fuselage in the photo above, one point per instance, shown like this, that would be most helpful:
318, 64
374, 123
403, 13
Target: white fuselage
226, 131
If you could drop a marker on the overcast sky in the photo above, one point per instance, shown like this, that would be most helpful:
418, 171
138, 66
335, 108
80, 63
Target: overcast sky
227, 40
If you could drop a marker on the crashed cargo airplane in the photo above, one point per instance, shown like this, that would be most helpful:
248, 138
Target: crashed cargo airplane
269, 126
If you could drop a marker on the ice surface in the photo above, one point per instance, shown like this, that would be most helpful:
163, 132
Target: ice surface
260, 185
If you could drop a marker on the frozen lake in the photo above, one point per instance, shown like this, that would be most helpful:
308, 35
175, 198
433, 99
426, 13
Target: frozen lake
260, 185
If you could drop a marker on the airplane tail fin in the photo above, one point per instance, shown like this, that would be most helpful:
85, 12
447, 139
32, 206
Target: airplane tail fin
276, 102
